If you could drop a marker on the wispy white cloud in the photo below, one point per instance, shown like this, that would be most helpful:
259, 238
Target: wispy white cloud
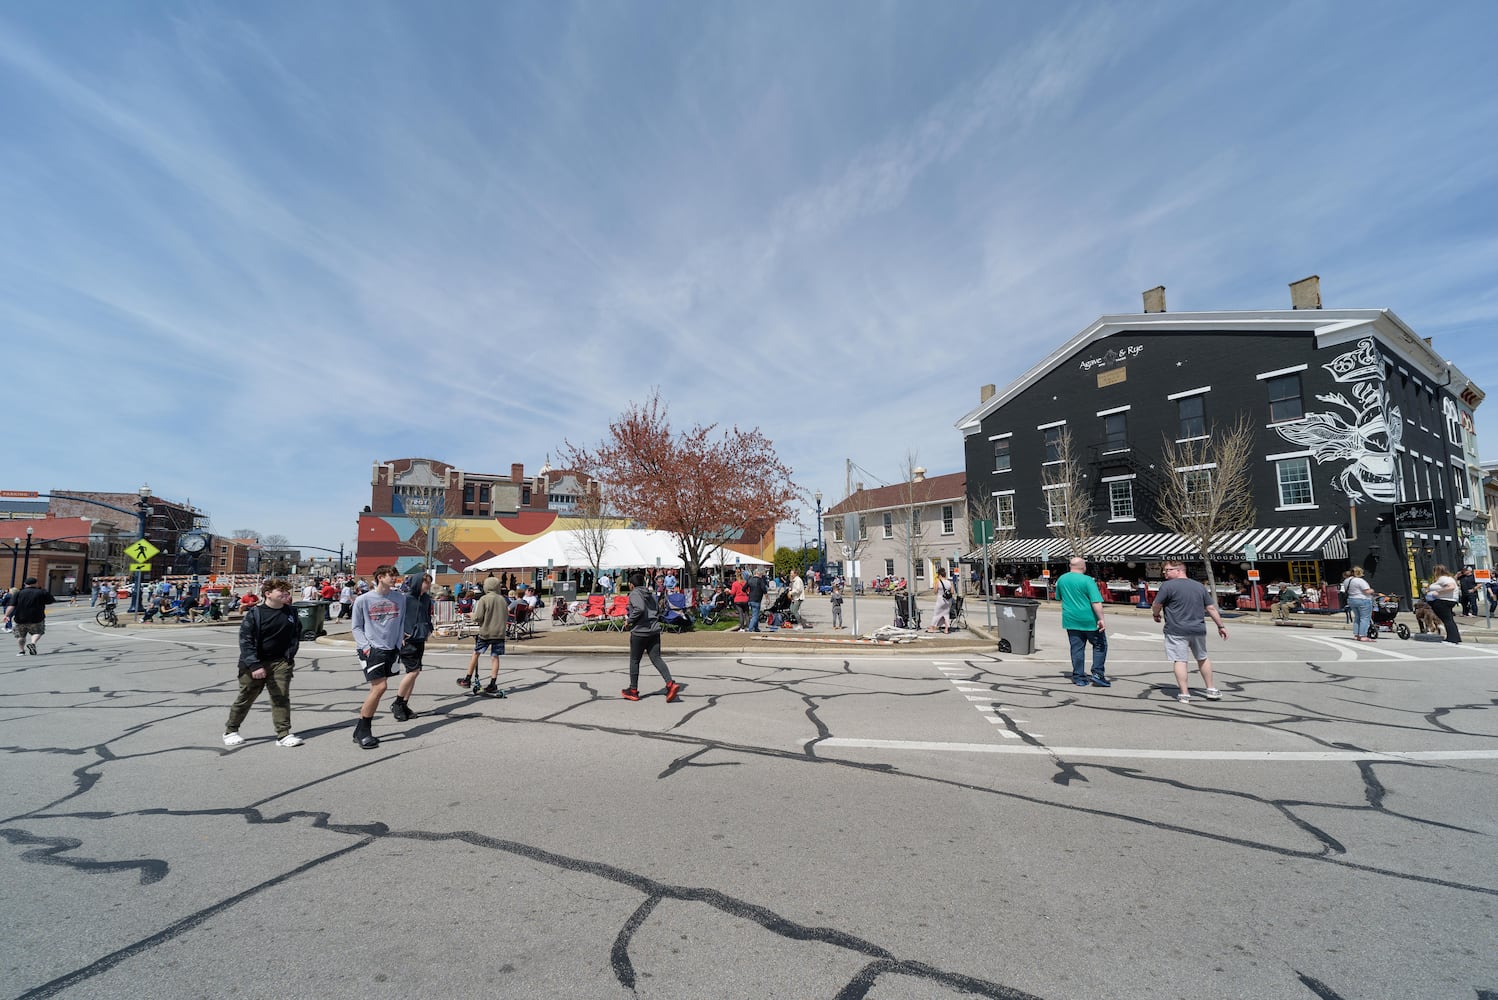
476, 234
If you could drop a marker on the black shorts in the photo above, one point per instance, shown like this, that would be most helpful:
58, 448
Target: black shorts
411, 654
379, 663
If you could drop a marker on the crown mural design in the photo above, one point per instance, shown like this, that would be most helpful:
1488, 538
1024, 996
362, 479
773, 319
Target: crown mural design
1356, 365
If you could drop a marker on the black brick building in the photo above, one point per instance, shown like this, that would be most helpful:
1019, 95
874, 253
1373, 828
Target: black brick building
1352, 412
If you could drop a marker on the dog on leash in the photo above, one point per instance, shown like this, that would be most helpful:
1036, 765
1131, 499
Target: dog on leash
1427, 619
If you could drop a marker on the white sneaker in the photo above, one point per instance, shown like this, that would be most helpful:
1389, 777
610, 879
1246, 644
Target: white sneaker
1213, 694
233, 739
1183, 698
290, 740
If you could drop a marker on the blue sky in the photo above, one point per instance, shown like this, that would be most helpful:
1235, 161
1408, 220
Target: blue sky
251, 249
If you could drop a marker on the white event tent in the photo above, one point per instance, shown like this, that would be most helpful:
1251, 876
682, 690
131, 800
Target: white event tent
627, 548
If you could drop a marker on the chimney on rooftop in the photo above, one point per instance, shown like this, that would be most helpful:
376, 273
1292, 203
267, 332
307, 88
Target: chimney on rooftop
517, 472
1154, 300
1306, 293
917, 474
985, 393
858, 487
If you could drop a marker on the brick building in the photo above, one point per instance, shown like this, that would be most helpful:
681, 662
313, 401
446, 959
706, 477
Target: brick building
166, 522
58, 554
235, 555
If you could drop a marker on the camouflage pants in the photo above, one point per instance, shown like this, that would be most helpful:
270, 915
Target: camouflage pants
277, 681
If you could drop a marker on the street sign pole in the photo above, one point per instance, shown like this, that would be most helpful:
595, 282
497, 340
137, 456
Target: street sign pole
985, 536
1251, 553
850, 546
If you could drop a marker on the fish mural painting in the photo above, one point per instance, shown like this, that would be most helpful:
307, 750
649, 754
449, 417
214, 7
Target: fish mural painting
1362, 434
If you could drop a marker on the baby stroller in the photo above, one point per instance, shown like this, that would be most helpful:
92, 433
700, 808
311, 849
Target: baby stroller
1385, 610
904, 617
776, 613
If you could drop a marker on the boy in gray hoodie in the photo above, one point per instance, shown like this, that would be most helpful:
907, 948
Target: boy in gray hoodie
379, 634
490, 615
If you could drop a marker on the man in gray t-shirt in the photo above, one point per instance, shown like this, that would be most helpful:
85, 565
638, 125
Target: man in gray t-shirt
1185, 605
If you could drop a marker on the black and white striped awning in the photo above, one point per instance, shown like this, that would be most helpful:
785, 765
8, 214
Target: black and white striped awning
1321, 541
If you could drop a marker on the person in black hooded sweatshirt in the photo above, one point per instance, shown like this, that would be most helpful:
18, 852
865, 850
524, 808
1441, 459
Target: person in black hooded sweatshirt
418, 628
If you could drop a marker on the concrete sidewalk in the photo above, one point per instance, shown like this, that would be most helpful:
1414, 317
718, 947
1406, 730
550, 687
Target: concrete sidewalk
873, 612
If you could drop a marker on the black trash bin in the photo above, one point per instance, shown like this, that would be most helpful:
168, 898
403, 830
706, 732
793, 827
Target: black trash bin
1016, 624
312, 615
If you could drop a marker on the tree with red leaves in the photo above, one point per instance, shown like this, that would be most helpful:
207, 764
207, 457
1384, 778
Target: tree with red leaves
704, 485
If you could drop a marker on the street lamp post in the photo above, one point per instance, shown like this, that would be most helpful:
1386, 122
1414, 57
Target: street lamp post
26, 564
821, 558
15, 560
142, 508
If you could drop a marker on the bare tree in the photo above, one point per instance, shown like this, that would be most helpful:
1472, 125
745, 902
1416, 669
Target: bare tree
591, 526
249, 533
986, 508
1068, 499
852, 546
1208, 487
906, 521
274, 542
434, 532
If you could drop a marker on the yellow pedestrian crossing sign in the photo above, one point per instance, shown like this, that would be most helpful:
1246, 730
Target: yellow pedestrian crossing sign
141, 551
140, 567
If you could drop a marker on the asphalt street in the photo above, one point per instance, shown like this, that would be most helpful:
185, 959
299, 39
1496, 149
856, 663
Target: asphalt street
832, 824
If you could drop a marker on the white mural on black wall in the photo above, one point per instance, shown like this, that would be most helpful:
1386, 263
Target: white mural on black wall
1361, 435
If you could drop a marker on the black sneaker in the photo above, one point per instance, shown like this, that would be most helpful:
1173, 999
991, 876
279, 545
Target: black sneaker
401, 711
491, 688
465, 680
1099, 681
31, 648
364, 734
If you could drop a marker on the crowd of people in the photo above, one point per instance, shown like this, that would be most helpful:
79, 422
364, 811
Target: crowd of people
392, 617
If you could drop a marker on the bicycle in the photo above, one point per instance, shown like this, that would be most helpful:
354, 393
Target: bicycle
107, 618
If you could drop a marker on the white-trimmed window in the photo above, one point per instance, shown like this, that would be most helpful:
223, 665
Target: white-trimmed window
1121, 500
1004, 512
863, 528
1116, 432
837, 529
1197, 485
1453, 420
1284, 398
1053, 444
1055, 504
1294, 478
920, 569
889, 525
1192, 412
948, 520
889, 567
1001, 458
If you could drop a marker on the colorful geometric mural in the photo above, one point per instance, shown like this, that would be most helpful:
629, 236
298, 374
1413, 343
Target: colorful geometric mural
401, 541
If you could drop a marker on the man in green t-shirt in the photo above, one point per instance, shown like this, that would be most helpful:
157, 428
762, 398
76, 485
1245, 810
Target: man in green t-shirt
1082, 617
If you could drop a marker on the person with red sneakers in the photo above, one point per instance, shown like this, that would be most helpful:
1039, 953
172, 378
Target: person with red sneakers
644, 619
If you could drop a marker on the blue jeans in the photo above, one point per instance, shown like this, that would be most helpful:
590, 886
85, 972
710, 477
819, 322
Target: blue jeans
1079, 640
754, 616
1362, 614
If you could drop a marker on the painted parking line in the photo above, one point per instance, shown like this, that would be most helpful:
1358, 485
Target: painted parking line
1125, 753
984, 699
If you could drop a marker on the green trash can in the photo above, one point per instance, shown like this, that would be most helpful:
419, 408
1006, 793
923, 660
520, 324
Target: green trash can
311, 614
1016, 624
